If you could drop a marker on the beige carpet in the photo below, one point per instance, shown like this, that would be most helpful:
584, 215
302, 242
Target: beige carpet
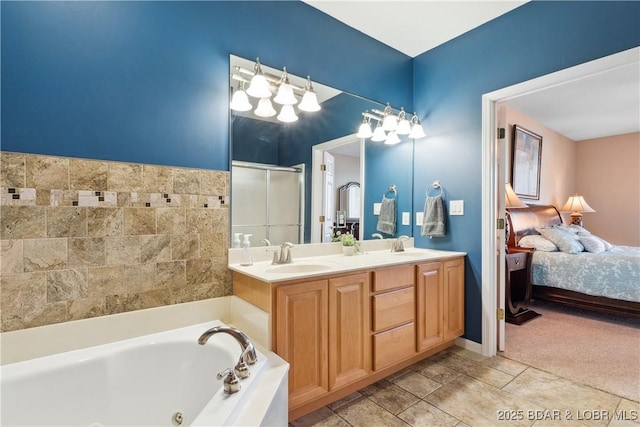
599, 350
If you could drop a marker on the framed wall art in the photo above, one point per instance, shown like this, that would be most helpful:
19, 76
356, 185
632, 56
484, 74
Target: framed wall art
526, 162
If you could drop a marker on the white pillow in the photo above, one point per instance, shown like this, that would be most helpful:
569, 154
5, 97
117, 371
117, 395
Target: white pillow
574, 228
564, 240
592, 244
537, 242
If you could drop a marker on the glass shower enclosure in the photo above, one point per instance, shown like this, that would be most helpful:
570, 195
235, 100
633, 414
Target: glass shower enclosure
267, 201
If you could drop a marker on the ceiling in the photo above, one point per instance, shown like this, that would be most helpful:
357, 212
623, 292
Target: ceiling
600, 105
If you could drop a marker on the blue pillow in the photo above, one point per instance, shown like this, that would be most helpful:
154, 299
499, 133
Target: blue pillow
564, 240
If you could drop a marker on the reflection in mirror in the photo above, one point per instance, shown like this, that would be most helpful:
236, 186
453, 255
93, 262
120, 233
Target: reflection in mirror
279, 149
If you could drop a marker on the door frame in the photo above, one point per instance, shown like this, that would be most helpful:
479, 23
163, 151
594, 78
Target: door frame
491, 277
316, 180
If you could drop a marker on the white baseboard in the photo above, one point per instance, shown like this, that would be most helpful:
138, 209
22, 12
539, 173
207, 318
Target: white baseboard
469, 345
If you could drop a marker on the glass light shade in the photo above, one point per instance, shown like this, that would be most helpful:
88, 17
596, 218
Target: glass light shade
417, 131
287, 114
392, 138
240, 101
365, 131
379, 134
511, 200
265, 109
259, 87
576, 204
404, 127
309, 102
390, 122
285, 95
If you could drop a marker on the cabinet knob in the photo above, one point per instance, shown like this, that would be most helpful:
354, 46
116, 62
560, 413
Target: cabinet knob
517, 261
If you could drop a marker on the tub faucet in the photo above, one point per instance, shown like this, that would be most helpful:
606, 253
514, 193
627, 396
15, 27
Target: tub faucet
398, 246
248, 354
377, 236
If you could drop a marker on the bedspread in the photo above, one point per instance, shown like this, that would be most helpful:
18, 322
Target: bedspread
612, 274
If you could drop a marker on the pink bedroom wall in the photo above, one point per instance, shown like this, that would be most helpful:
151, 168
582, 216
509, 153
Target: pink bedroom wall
608, 176
557, 176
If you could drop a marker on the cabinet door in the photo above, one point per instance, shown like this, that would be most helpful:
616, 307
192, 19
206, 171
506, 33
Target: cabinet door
301, 337
349, 324
429, 294
453, 298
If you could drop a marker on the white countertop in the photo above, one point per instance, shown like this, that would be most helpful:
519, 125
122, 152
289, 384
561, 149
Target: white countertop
321, 265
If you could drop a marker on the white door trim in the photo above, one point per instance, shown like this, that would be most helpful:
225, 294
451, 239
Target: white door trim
316, 180
489, 174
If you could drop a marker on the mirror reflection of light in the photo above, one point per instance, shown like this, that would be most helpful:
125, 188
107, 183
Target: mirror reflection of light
265, 109
287, 115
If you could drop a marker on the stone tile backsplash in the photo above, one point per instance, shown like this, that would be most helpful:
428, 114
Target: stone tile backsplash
85, 238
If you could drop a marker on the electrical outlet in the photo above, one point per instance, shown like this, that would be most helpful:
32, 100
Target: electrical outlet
376, 208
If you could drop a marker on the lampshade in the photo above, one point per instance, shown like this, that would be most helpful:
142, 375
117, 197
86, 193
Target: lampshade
511, 200
404, 126
392, 138
240, 101
285, 94
576, 204
379, 134
365, 130
390, 121
265, 109
309, 101
287, 114
416, 131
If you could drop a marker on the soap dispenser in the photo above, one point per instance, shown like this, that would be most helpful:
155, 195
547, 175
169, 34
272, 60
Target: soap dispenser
236, 240
246, 251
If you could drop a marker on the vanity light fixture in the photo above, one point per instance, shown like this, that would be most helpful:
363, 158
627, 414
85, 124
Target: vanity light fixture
309, 99
240, 101
259, 87
364, 131
390, 126
263, 85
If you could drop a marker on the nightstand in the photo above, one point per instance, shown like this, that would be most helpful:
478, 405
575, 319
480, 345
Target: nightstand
517, 284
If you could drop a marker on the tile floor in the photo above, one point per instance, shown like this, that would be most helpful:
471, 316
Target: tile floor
460, 388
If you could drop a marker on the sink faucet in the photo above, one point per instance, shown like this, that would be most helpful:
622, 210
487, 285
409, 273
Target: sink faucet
248, 354
377, 236
398, 246
266, 242
285, 254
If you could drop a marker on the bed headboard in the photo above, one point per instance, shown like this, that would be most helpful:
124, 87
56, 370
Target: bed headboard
524, 221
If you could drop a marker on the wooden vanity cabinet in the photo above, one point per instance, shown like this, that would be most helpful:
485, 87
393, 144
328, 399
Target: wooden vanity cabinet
342, 332
393, 315
440, 302
323, 332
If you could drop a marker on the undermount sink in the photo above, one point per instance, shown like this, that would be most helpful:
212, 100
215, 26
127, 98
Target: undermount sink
298, 268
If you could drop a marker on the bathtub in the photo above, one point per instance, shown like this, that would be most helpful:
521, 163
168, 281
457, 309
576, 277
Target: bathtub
162, 379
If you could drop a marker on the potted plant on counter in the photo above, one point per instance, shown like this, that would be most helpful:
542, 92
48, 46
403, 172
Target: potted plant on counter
349, 242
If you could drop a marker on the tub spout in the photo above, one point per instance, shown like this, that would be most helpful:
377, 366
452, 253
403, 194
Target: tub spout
248, 354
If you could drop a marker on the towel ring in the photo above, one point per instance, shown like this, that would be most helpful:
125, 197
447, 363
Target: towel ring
391, 189
435, 186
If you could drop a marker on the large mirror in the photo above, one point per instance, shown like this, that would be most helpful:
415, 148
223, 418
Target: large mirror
288, 176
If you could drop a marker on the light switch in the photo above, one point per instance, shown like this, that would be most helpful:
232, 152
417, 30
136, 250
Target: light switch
406, 218
456, 207
376, 208
419, 217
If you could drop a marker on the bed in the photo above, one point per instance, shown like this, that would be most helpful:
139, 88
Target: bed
606, 280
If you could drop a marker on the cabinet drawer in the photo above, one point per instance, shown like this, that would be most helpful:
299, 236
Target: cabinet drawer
392, 277
393, 308
393, 345
517, 261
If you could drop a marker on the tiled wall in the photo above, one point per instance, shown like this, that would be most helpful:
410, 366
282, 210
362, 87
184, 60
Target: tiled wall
85, 238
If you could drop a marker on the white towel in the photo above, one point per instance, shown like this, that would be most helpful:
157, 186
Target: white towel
387, 217
433, 221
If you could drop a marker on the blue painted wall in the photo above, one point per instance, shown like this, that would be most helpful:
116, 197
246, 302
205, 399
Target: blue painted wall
148, 82
535, 39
